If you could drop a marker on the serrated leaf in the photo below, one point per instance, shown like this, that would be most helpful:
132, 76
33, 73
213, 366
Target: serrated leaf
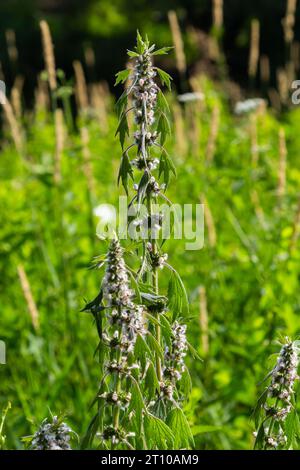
151, 381
259, 441
258, 408
185, 384
165, 78
163, 127
154, 345
125, 171
178, 300
158, 434
136, 405
121, 104
178, 423
122, 129
142, 351
142, 188
87, 440
163, 50
162, 103
132, 53
122, 76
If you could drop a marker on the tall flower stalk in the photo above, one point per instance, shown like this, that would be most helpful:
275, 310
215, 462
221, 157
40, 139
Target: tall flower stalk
142, 335
275, 415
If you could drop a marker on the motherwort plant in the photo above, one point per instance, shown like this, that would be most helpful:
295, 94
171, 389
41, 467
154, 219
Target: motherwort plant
275, 415
142, 336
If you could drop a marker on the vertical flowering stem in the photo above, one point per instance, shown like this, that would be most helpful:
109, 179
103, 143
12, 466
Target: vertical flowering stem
275, 414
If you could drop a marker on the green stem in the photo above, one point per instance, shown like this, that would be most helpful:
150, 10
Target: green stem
156, 291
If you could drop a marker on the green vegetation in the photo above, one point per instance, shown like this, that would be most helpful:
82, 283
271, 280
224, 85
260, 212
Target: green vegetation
242, 286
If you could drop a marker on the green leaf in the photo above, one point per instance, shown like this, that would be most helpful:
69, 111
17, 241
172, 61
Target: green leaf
162, 103
165, 167
154, 345
140, 44
125, 171
158, 434
260, 438
132, 53
87, 440
259, 407
142, 351
136, 405
185, 384
151, 381
163, 127
123, 129
163, 50
142, 188
121, 104
178, 423
122, 76
165, 78
178, 300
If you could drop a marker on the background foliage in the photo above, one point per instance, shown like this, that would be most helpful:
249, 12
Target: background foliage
250, 275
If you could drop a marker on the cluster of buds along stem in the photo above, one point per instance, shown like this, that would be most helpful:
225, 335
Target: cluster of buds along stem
278, 400
53, 435
174, 359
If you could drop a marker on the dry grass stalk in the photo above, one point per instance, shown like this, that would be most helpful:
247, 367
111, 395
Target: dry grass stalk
11, 45
218, 13
87, 164
12, 123
59, 144
16, 102
209, 221
254, 49
42, 100
32, 308
193, 125
254, 140
99, 105
178, 42
49, 55
281, 189
203, 320
180, 136
283, 85
289, 21
212, 138
265, 69
258, 208
89, 57
295, 55
275, 99
81, 87
296, 229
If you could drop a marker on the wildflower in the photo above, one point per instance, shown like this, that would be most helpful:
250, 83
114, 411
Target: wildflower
144, 93
53, 435
174, 359
248, 106
277, 402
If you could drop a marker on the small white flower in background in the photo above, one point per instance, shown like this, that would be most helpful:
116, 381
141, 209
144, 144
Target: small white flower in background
248, 106
105, 212
188, 97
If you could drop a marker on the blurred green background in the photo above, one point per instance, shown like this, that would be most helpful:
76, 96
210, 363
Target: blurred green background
243, 286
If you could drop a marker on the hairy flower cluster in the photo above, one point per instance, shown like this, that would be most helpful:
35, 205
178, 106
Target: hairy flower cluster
125, 317
283, 376
174, 360
52, 436
116, 435
144, 92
